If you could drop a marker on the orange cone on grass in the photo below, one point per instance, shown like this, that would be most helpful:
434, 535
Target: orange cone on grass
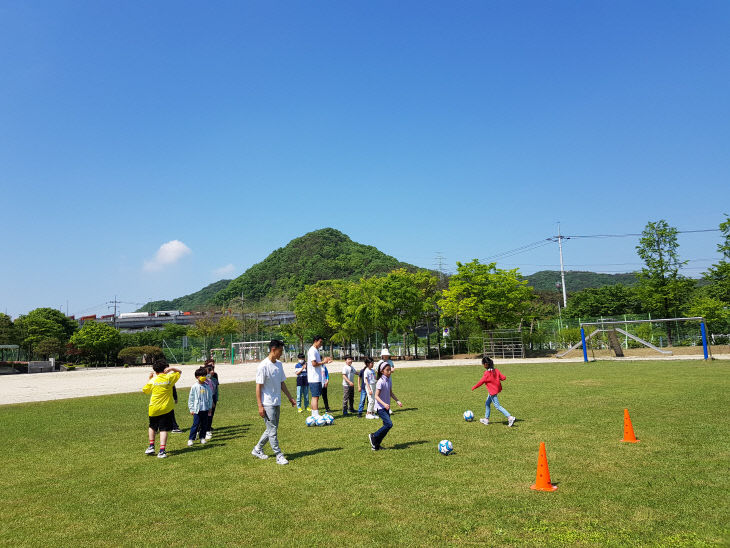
629, 436
542, 481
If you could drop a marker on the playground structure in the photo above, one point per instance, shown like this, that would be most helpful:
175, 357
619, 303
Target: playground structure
612, 331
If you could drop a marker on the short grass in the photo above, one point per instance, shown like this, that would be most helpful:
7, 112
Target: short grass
75, 472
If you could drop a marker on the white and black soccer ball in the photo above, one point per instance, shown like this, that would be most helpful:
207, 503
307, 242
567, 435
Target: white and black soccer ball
311, 421
328, 419
468, 415
445, 447
320, 421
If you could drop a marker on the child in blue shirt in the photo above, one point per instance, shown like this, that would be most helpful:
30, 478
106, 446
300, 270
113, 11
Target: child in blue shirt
200, 404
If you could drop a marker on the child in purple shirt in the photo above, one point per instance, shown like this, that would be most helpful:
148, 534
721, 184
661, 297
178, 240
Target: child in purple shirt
383, 395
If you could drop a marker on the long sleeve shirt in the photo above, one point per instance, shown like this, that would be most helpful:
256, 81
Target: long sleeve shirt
201, 398
491, 378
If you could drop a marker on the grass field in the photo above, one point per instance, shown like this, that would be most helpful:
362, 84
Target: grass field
75, 472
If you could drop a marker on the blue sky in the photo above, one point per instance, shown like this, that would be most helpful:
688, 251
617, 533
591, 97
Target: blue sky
148, 149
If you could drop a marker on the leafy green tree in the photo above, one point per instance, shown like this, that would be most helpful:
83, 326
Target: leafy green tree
719, 274
611, 300
228, 325
47, 348
661, 288
98, 340
295, 330
715, 312
490, 296
310, 307
44, 323
8, 333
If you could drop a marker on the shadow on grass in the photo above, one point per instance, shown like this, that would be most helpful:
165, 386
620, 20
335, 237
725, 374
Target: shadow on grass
407, 444
397, 410
300, 454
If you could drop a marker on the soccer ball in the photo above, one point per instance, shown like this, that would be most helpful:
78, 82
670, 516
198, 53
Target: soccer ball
320, 421
468, 415
445, 447
328, 419
311, 421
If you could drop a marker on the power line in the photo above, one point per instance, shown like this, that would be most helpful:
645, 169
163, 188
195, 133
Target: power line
639, 234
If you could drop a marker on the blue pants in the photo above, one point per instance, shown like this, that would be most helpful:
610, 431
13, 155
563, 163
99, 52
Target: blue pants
201, 424
387, 425
303, 396
363, 397
495, 400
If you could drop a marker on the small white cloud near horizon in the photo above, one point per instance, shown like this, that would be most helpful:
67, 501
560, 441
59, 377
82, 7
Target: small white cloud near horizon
168, 254
225, 270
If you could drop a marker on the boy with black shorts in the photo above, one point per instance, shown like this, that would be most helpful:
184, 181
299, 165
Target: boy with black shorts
159, 386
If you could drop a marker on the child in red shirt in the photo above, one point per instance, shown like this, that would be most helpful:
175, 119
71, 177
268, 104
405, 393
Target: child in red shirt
492, 378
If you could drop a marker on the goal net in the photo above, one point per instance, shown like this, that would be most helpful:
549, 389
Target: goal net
609, 338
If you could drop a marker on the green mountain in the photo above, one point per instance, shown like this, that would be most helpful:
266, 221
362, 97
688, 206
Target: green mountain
325, 254
194, 301
576, 280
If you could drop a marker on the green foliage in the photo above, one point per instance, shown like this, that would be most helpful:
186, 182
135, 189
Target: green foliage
576, 280
98, 340
608, 301
134, 355
46, 348
718, 275
43, 324
486, 294
8, 332
715, 312
200, 300
661, 288
325, 254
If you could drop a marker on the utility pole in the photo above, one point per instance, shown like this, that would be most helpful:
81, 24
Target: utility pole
115, 302
559, 238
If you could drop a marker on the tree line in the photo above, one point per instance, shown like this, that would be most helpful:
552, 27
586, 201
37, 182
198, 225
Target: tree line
410, 306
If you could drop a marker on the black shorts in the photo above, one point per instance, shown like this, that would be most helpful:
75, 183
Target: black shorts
162, 423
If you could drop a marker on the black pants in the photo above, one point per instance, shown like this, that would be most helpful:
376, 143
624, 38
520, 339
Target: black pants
324, 398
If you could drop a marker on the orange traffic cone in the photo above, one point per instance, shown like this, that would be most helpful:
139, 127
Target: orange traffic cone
628, 429
542, 481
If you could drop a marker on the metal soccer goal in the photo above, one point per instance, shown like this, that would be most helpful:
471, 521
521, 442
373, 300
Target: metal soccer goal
655, 334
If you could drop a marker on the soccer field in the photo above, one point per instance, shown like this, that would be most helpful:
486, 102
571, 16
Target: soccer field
75, 472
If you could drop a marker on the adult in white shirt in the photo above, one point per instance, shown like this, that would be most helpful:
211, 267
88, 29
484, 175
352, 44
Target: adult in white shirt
315, 375
270, 379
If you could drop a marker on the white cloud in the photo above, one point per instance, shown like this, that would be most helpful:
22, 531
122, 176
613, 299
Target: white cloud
225, 270
169, 253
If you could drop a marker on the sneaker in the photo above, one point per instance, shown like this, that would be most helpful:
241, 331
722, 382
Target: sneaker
359, 415
369, 416
162, 454
150, 450
176, 431
484, 421
309, 408
260, 454
281, 459
510, 421
208, 435
203, 441
299, 409
190, 443
372, 443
